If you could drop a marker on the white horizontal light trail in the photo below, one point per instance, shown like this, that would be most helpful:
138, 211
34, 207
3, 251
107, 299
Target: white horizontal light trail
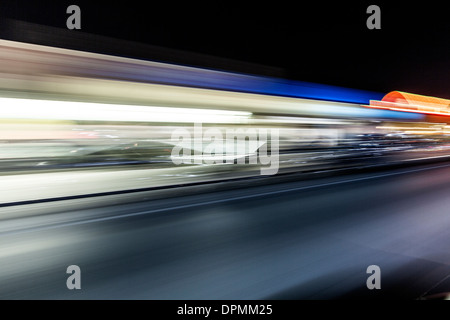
13, 108
210, 202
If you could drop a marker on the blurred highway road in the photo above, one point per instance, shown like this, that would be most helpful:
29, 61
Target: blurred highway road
166, 181
311, 239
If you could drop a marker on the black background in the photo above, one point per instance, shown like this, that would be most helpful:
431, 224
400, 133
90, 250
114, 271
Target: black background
324, 42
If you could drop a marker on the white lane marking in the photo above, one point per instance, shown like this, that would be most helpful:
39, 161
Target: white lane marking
434, 286
256, 195
426, 158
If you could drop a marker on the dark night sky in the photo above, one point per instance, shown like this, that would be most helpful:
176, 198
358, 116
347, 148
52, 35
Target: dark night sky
324, 42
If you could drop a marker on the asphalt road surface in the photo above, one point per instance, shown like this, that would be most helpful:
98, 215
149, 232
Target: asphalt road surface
310, 239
